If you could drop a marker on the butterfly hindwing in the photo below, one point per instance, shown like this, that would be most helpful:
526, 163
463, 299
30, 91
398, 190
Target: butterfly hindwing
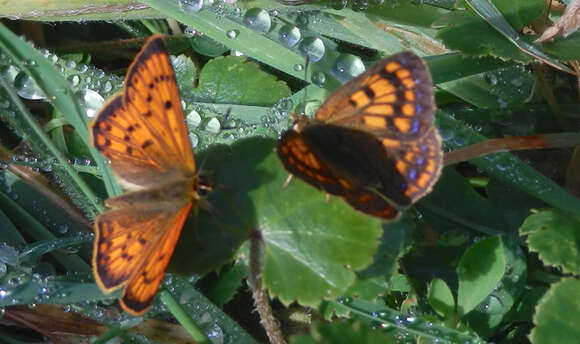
297, 158
420, 162
143, 285
393, 99
128, 237
329, 158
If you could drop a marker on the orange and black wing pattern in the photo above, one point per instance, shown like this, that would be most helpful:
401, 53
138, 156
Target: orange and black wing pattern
142, 132
133, 247
319, 156
392, 99
373, 142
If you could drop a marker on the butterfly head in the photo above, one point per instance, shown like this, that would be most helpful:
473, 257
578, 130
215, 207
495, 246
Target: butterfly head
299, 122
203, 186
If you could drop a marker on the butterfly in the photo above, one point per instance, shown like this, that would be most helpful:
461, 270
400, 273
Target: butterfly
373, 142
142, 132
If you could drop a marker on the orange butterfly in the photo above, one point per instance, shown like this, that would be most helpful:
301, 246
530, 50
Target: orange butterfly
142, 132
373, 141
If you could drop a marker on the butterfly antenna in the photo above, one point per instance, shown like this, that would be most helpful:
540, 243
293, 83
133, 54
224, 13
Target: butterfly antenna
226, 118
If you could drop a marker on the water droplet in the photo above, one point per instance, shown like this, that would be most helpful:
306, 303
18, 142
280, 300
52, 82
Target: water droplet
190, 5
213, 126
83, 68
74, 80
70, 64
232, 34
91, 101
319, 78
345, 300
63, 228
9, 72
107, 87
289, 35
302, 20
27, 88
339, 4
346, 67
258, 20
298, 67
312, 48
32, 63
359, 5
193, 119
3, 269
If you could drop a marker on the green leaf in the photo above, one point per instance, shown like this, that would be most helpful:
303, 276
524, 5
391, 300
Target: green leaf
184, 71
506, 167
520, 13
554, 235
480, 269
491, 312
204, 45
441, 298
228, 282
401, 323
488, 42
557, 314
564, 48
230, 79
346, 333
313, 246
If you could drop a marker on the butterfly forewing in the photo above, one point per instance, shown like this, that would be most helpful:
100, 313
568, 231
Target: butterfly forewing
392, 99
142, 131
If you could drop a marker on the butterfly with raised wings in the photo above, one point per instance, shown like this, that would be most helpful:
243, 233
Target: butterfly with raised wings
142, 132
373, 142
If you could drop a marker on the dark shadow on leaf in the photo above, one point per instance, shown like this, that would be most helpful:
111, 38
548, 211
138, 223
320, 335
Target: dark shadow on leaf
211, 238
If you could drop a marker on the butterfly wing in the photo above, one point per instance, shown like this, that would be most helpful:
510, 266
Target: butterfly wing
134, 245
140, 292
420, 162
322, 166
393, 99
142, 131
298, 158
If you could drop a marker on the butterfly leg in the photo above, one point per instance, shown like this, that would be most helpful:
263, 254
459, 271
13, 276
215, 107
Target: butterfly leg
287, 182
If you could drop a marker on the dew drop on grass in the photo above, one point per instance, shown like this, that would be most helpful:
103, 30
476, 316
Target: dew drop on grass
289, 35
91, 102
258, 20
346, 67
232, 34
339, 4
193, 119
190, 5
74, 80
312, 48
27, 88
319, 78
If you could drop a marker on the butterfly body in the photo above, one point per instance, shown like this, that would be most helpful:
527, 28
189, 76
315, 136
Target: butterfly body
373, 141
143, 134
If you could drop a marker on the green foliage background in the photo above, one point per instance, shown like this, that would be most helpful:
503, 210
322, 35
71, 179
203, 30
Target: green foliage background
490, 255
